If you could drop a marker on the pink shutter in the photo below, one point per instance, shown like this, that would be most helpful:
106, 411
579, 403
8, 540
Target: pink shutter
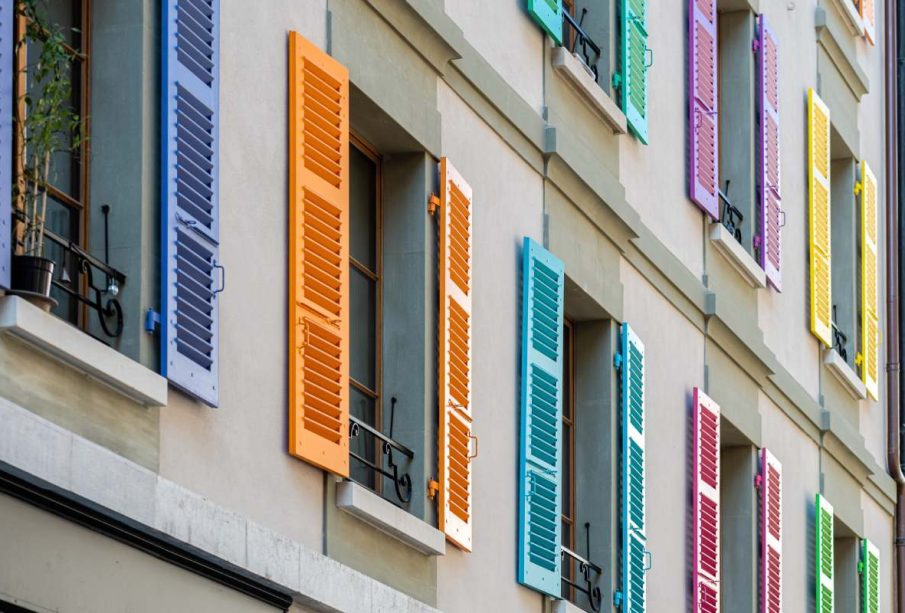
771, 533
703, 124
706, 503
768, 179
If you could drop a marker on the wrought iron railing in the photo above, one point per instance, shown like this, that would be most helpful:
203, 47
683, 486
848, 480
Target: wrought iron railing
402, 481
840, 339
731, 216
578, 38
589, 574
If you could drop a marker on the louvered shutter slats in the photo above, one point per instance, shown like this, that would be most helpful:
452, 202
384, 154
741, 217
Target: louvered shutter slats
870, 284
770, 533
706, 502
769, 194
318, 257
540, 441
824, 558
455, 420
819, 218
703, 107
548, 15
191, 276
870, 577
633, 89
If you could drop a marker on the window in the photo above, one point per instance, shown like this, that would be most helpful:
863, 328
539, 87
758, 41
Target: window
845, 248
585, 32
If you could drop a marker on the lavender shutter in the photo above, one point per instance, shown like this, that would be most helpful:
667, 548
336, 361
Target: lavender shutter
703, 124
7, 17
768, 239
191, 277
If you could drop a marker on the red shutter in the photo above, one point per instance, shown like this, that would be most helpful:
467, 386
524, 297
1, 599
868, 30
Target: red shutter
771, 533
703, 127
706, 503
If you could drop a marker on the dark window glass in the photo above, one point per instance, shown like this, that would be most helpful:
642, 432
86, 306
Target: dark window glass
363, 209
363, 328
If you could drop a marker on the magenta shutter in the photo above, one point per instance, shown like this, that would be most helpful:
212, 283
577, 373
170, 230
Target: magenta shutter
771, 533
706, 503
769, 197
703, 124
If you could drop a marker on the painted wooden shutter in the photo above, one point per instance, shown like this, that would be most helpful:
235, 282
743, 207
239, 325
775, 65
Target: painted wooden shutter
870, 577
7, 70
824, 571
868, 16
548, 14
540, 442
634, 521
191, 276
706, 503
318, 257
770, 533
703, 128
634, 68
819, 218
455, 504
769, 237
870, 284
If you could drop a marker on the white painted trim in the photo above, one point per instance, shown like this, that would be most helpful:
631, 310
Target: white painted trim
846, 375
367, 506
736, 255
580, 77
74, 348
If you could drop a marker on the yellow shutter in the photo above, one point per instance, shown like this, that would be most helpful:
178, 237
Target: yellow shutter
819, 217
868, 16
318, 257
455, 440
870, 284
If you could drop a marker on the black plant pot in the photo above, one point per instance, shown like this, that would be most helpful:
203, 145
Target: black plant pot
31, 279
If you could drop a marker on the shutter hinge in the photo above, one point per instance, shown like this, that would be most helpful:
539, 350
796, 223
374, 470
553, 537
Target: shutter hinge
758, 481
859, 186
433, 487
617, 80
433, 203
755, 46
859, 359
617, 599
617, 361
152, 321
861, 568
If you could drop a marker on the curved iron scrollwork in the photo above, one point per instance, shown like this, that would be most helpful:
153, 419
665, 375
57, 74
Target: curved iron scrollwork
590, 51
731, 216
589, 573
402, 481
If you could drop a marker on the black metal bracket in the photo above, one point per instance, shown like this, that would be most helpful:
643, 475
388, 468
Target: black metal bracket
402, 481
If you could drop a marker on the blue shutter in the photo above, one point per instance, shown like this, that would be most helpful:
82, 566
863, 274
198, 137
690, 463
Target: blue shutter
548, 14
540, 436
191, 277
7, 16
634, 540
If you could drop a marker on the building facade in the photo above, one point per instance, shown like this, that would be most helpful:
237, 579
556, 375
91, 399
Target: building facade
413, 305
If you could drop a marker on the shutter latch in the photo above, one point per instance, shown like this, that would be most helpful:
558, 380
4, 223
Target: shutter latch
433, 487
433, 203
152, 321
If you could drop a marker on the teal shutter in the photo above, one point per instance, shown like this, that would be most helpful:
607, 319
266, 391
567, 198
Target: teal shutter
540, 435
635, 557
870, 577
824, 571
548, 14
632, 81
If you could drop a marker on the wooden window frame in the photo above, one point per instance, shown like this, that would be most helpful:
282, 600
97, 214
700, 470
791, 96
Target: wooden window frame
569, 419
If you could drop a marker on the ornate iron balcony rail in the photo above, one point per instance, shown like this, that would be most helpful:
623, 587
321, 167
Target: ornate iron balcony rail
731, 217
589, 573
583, 40
402, 481
840, 339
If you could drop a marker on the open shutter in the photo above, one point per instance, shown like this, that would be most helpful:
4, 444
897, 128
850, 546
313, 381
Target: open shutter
548, 14
635, 556
456, 453
870, 284
318, 257
7, 17
703, 106
870, 577
706, 503
540, 442
633, 86
824, 570
768, 238
770, 533
191, 276
819, 218
868, 16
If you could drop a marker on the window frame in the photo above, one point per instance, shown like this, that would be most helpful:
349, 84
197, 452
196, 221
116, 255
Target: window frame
568, 442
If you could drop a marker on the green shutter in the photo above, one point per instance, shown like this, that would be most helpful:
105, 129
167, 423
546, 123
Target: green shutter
824, 570
548, 14
632, 80
870, 577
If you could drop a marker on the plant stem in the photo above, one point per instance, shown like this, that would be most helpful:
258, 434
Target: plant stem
43, 206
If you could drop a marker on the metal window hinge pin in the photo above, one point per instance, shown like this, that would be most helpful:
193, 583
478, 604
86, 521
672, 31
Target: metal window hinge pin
860, 568
758, 481
858, 187
152, 321
617, 361
617, 599
433, 203
433, 487
755, 46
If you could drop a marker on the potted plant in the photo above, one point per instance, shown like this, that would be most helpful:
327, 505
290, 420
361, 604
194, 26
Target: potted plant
46, 124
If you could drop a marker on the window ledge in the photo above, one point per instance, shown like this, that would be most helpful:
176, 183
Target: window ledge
367, 506
74, 348
736, 255
564, 606
574, 71
841, 55
846, 375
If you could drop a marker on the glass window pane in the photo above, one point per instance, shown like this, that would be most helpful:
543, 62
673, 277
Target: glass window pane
67, 15
363, 209
363, 445
363, 328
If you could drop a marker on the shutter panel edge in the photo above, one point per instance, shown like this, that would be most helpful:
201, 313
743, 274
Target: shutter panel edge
703, 121
771, 544
706, 588
870, 300
824, 571
634, 34
7, 68
820, 254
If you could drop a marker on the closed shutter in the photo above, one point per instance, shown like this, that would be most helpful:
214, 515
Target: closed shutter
633, 86
870, 284
868, 16
703, 128
318, 257
770, 533
870, 577
824, 570
456, 450
192, 276
634, 522
548, 14
540, 442
706, 503
7, 16
819, 218
769, 194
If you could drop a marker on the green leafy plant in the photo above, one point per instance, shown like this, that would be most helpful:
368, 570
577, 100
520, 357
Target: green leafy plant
46, 122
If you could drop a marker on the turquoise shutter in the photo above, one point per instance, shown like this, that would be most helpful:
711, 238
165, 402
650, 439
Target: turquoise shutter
540, 431
635, 557
633, 72
870, 577
191, 275
548, 14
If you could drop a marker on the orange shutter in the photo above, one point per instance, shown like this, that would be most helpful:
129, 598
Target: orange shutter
455, 503
318, 257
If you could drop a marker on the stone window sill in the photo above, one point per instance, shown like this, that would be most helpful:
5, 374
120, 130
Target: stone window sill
367, 506
574, 71
736, 255
69, 345
564, 606
845, 374
851, 16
